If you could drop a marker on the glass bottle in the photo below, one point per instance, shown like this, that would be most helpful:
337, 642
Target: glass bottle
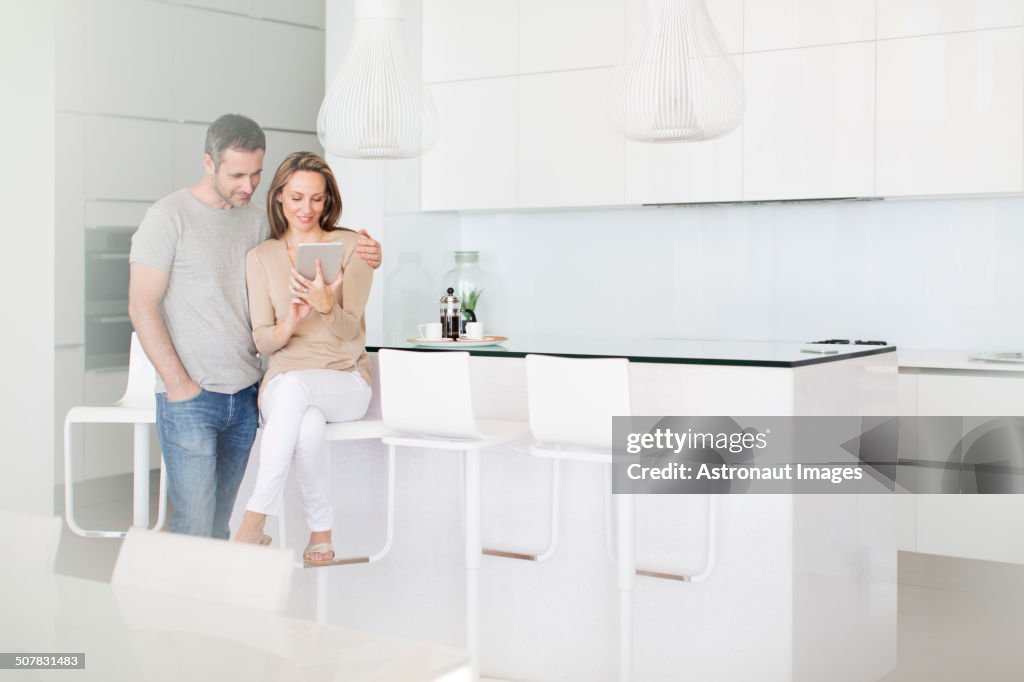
469, 281
406, 305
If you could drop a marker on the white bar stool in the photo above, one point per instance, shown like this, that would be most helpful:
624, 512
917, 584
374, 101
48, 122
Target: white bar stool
137, 407
426, 402
362, 429
572, 402
209, 569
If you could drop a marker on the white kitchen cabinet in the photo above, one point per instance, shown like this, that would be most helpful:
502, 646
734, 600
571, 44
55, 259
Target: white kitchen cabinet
189, 140
989, 527
569, 155
834, 107
901, 18
130, 58
128, 159
685, 172
473, 165
290, 82
115, 213
993, 394
559, 35
906, 392
949, 113
69, 230
214, 72
465, 39
403, 189
304, 12
784, 24
809, 129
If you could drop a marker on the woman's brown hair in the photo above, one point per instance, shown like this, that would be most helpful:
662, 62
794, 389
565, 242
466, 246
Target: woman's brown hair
303, 161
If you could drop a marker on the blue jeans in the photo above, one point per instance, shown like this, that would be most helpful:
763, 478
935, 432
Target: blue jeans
206, 442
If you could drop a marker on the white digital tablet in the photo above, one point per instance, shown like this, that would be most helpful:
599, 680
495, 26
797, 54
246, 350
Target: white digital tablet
330, 260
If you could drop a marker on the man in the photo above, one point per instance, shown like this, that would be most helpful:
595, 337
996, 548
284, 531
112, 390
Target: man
187, 301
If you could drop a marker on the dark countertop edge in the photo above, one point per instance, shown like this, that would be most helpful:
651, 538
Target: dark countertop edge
814, 359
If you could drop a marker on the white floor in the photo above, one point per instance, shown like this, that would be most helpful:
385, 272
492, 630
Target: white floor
100, 504
959, 619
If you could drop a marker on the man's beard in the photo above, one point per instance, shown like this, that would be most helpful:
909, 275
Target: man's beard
231, 199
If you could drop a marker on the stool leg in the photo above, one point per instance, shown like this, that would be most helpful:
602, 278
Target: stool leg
140, 496
626, 576
474, 547
322, 592
321, 597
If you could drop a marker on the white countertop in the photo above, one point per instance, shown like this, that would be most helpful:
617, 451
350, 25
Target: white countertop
951, 360
674, 351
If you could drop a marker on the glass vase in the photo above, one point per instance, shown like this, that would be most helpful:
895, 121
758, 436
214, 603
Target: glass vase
470, 283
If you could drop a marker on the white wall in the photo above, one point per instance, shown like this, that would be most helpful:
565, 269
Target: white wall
935, 273
27, 277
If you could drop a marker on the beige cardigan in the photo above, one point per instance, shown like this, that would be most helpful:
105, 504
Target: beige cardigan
333, 341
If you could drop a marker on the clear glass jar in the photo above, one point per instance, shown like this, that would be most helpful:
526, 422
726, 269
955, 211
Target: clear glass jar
406, 303
470, 282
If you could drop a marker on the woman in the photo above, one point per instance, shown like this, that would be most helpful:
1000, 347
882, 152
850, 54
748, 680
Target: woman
312, 334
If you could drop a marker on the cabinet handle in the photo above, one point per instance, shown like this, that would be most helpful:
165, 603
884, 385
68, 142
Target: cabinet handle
114, 320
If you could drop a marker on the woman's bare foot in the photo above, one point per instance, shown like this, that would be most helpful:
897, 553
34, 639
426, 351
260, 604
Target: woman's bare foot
315, 538
251, 530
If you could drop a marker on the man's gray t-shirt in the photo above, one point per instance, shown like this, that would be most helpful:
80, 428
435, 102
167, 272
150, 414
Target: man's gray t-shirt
205, 306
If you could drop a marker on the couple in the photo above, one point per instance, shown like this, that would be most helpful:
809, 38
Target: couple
202, 318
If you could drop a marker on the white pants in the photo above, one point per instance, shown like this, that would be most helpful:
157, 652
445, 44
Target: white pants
297, 407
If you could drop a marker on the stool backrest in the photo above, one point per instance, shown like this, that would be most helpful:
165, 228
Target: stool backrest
141, 378
204, 568
427, 393
573, 400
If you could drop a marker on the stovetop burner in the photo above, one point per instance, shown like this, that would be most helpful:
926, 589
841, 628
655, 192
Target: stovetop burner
847, 342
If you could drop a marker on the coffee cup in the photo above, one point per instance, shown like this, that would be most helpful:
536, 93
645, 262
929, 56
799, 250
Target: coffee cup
474, 330
431, 331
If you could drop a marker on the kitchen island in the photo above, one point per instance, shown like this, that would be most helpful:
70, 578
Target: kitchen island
803, 586
687, 377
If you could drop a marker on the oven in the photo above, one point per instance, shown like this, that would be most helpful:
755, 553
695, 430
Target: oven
108, 329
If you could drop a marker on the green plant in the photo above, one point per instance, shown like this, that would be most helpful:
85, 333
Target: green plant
469, 298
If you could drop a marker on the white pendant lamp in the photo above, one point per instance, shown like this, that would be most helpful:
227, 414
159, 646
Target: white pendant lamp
377, 107
678, 83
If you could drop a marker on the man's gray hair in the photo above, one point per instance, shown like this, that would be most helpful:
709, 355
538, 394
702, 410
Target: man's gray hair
233, 131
